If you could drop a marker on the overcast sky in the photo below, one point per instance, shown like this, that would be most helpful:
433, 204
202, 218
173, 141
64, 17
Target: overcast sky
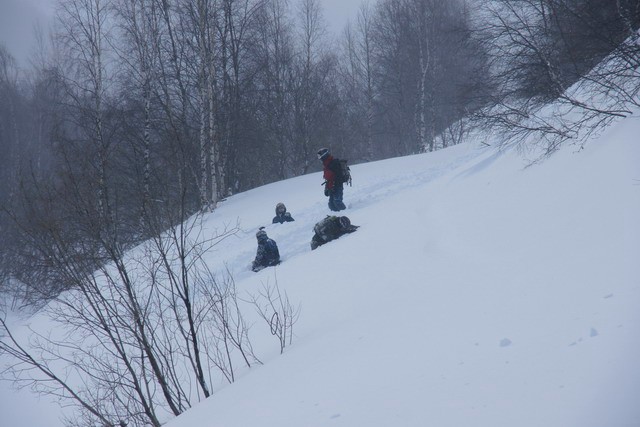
19, 17
338, 12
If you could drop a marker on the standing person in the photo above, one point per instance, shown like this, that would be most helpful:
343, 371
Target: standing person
267, 254
333, 186
282, 215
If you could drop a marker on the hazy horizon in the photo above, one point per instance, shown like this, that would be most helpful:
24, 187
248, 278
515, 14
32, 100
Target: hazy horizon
20, 18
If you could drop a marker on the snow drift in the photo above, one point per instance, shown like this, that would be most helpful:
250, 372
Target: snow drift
479, 291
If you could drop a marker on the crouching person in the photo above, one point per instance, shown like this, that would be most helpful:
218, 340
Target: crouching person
282, 215
330, 229
267, 254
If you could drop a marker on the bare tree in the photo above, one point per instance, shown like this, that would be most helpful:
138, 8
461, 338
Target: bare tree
358, 69
229, 330
137, 332
233, 112
539, 60
84, 36
275, 54
312, 33
426, 15
10, 132
140, 24
276, 310
395, 76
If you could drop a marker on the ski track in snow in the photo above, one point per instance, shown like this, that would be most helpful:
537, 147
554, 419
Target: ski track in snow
477, 321
293, 238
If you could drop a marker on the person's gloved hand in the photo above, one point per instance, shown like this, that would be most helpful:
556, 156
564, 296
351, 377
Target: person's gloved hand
327, 191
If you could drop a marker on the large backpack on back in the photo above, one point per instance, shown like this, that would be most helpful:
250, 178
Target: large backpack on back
328, 228
331, 228
272, 255
342, 171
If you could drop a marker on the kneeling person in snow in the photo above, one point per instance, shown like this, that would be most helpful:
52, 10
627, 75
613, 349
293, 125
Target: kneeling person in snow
267, 254
282, 215
330, 229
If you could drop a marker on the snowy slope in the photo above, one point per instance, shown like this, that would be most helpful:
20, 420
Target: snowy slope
477, 292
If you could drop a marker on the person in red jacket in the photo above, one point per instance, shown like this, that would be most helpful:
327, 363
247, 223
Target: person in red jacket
333, 185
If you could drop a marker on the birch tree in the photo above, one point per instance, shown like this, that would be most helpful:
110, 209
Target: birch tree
551, 52
396, 78
426, 16
140, 24
275, 56
9, 130
85, 37
312, 31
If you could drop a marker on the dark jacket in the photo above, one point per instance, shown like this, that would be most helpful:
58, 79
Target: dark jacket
331, 228
282, 215
267, 255
281, 219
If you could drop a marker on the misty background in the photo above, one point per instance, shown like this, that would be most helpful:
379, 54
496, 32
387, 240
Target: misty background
122, 119
19, 19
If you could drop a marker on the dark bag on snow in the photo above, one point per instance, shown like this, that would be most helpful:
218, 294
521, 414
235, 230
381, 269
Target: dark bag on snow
328, 228
331, 228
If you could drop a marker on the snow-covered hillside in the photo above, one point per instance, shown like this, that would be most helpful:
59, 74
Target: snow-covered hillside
477, 292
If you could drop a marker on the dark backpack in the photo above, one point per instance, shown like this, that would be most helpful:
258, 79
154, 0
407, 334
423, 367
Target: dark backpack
272, 255
343, 172
328, 228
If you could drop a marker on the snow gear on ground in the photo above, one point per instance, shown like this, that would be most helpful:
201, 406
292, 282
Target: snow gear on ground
331, 228
334, 184
282, 215
267, 254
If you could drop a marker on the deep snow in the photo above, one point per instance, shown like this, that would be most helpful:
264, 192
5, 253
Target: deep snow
478, 291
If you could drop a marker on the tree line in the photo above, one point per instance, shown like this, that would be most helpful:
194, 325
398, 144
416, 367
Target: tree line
136, 114
142, 112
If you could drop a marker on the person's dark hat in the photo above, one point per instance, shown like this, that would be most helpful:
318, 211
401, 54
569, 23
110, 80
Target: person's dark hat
323, 153
261, 234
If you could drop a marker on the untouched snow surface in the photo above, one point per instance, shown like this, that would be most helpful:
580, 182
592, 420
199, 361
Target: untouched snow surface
477, 292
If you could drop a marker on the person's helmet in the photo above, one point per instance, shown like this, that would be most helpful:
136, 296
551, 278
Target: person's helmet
323, 153
280, 207
261, 235
344, 222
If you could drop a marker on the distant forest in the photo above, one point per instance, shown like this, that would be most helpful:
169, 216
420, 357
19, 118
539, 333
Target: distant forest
136, 114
